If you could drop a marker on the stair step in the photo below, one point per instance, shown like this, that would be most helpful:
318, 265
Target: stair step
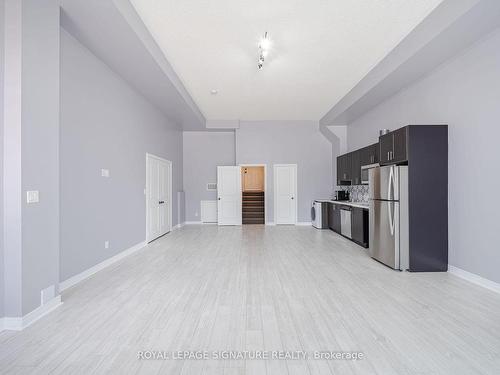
253, 215
253, 207
251, 221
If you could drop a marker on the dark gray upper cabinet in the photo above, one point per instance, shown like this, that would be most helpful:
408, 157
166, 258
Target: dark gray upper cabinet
356, 167
369, 154
393, 147
386, 146
365, 155
349, 165
374, 153
344, 169
399, 153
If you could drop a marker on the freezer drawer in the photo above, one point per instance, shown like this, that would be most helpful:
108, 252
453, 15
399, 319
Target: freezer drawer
384, 232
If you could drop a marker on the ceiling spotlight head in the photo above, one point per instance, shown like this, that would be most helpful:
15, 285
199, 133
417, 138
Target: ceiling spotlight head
265, 42
214, 92
264, 46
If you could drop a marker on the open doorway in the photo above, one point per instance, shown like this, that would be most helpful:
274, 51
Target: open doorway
253, 187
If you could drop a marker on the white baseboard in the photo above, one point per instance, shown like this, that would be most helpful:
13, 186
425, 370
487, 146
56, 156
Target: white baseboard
299, 223
20, 323
473, 278
68, 283
178, 226
270, 223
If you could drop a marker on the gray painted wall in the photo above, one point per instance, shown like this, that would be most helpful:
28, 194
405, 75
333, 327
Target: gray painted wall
2, 66
203, 152
12, 160
106, 124
289, 142
463, 93
30, 160
40, 148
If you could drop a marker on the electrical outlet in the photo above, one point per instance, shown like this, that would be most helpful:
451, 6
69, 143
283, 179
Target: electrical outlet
105, 172
106, 244
32, 196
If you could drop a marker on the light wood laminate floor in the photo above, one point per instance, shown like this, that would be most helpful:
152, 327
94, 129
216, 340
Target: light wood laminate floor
261, 288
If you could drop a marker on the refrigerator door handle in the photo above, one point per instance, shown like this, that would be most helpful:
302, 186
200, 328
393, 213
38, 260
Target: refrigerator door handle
390, 184
391, 217
390, 191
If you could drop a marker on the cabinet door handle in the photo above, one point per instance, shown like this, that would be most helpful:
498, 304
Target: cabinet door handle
388, 155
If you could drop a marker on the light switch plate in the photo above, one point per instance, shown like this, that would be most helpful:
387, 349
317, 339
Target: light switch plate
32, 196
106, 244
105, 172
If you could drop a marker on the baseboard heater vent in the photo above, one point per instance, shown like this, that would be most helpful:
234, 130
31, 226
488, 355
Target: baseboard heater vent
208, 211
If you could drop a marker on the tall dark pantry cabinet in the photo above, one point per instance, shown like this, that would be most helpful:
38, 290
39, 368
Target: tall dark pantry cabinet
424, 149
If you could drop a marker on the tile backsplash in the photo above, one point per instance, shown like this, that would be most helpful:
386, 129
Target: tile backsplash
358, 193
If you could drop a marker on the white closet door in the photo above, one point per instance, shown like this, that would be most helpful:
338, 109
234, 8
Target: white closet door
229, 195
163, 197
158, 187
285, 194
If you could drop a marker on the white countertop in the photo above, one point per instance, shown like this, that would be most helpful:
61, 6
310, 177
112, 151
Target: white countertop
353, 204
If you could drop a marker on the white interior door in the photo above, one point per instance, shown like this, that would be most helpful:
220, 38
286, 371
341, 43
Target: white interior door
229, 195
158, 197
285, 193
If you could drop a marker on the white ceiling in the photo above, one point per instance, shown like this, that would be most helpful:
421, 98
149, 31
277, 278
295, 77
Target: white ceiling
321, 49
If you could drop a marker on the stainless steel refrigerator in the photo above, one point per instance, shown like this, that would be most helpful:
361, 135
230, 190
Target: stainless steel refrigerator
389, 233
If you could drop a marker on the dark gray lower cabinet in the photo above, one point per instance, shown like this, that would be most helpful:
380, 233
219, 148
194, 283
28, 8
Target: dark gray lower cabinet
334, 217
359, 223
359, 226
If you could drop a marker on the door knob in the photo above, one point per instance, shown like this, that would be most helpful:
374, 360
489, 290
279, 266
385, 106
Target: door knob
218, 198
292, 197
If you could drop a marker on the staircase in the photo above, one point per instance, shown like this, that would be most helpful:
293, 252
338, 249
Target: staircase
253, 207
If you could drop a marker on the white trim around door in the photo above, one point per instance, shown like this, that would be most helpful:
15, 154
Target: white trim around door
292, 194
165, 199
265, 185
